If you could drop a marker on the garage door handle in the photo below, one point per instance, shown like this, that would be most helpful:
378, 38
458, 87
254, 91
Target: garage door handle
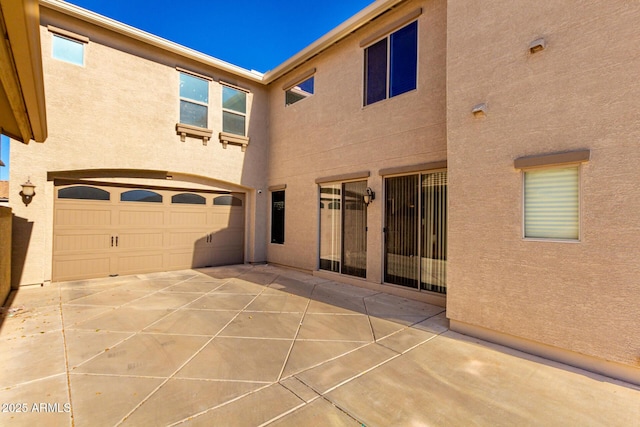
111, 241
116, 241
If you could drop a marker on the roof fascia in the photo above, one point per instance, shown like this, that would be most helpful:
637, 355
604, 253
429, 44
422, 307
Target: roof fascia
148, 38
22, 24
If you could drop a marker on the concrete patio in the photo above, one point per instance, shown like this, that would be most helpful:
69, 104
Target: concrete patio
260, 345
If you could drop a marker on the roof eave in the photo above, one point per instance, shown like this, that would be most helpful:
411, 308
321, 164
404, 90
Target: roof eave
150, 39
23, 78
340, 32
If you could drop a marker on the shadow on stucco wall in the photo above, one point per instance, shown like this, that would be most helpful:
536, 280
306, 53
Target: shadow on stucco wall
21, 238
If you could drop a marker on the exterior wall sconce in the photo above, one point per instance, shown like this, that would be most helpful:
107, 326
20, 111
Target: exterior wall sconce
28, 191
479, 110
537, 45
369, 196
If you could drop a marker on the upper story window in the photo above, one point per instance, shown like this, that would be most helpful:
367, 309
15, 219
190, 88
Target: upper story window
234, 111
300, 91
194, 100
67, 46
391, 65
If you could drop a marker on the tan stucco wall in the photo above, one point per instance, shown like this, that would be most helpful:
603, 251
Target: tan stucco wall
580, 92
5, 252
331, 133
119, 111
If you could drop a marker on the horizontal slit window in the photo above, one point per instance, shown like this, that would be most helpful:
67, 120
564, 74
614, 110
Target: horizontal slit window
83, 192
227, 201
145, 196
188, 199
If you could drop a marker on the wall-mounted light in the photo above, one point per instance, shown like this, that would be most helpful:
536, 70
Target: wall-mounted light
369, 196
537, 45
479, 110
28, 191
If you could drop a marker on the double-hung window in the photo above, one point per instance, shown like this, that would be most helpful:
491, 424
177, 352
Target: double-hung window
234, 111
391, 65
194, 100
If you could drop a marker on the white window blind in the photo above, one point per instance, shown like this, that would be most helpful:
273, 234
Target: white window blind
551, 203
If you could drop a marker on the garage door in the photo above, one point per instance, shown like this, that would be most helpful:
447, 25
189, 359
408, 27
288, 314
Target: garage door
107, 230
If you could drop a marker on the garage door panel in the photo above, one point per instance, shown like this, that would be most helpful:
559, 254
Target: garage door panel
140, 240
149, 217
227, 255
134, 263
136, 234
81, 242
81, 267
188, 218
81, 217
187, 238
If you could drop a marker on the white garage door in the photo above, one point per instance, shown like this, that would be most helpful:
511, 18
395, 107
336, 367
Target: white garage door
107, 230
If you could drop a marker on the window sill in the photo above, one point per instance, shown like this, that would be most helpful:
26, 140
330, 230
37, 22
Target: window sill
230, 138
194, 132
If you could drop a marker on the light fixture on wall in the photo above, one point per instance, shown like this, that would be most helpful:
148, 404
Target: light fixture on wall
479, 110
537, 45
28, 191
369, 196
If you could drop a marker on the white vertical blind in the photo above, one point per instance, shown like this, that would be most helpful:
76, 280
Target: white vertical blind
551, 203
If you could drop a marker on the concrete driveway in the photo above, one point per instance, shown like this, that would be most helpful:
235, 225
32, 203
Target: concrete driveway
260, 345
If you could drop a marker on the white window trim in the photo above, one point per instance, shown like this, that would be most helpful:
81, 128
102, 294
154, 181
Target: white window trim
231, 136
184, 129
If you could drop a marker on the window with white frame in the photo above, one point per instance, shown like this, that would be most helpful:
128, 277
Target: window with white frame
68, 50
391, 65
194, 100
234, 111
552, 203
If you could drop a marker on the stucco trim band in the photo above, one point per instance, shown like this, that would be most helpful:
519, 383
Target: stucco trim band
344, 177
442, 164
278, 187
391, 27
68, 34
554, 159
300, 78
193, 73
582, 361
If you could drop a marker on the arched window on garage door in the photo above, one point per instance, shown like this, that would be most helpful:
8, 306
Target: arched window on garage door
188, 199
227, 201
83, 192
141, 196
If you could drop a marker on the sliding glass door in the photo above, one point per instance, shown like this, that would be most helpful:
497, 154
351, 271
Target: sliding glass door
415, 231
343, 228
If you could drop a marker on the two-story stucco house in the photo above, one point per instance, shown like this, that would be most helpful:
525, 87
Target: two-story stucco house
477, 155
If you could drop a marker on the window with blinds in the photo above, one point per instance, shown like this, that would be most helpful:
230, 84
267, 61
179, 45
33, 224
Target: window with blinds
551, 203
416, 231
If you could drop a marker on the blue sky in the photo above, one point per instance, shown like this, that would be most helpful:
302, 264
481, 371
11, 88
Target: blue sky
4, 156
252, 34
